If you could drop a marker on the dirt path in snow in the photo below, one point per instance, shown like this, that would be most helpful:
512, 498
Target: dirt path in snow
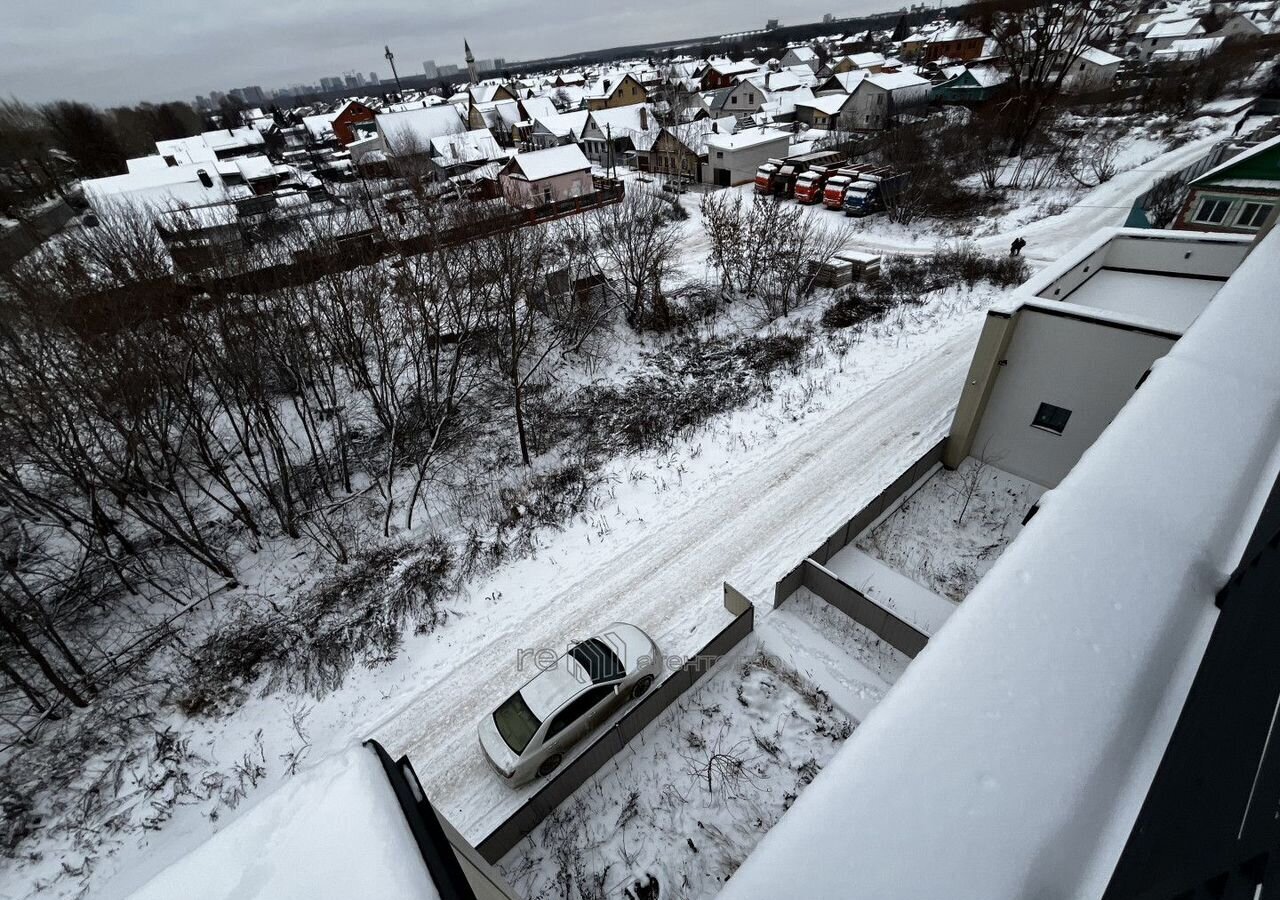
782, 503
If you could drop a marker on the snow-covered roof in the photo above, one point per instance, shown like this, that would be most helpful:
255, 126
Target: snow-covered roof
320, 127
725, 67
536, 165
866, 60
1189, 48
1013, 756
467, 147
1214, 174
1178, 29
568, 124
1098, 57
694, 135
960, 31
748, 137
988, 76
414, 129
335, 830
142, 164
849, 80
830, 104
633, 117
802, 53
896, 81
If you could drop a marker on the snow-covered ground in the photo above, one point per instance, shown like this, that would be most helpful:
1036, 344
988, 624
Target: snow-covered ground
740, 504
949, 532
740, 501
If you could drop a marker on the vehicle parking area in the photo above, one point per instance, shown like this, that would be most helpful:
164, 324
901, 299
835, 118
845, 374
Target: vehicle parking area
680, 808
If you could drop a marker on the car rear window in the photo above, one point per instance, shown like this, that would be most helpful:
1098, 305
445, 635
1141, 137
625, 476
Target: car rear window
516, 723
601, 663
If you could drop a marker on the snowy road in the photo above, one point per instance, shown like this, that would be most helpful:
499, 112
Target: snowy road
747, 521
1106, 206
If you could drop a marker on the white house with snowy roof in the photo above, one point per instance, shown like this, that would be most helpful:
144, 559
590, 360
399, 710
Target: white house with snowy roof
1091, 70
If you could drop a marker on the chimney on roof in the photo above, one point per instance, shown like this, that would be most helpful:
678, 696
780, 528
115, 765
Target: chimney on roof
607, 82
204, 178
644, 118
715, 129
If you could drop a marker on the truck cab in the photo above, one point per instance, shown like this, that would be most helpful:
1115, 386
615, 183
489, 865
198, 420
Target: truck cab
810, 184
765, 176
862, 198
833, 191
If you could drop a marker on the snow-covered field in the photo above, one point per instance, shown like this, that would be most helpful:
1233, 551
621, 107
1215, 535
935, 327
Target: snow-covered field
948, 533
741, 500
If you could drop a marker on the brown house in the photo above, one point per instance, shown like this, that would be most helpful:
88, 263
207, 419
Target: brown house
609, 94
351, 115
959, 41
725, 74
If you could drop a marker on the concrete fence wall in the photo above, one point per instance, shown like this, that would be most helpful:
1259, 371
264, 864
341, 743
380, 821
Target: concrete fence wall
562, 784
812, 573
858, 606
860, 522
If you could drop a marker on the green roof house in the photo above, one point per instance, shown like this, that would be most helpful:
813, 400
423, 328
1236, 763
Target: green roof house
1238, 196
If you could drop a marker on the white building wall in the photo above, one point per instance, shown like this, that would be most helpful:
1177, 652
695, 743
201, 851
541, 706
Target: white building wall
743, 162
1087, 367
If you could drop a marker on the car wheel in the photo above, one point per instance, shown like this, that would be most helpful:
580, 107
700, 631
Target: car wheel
548, 766
642, 687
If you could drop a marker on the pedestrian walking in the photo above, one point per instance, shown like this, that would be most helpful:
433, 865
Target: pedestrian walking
1015, 249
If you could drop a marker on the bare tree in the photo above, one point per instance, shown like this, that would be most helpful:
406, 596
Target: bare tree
1038, 40
637, 243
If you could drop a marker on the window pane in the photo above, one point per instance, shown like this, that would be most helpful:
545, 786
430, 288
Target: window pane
516, 723
1252, 215
1051, 418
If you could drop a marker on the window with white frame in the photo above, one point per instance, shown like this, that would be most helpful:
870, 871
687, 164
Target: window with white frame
1252, 215
1211, 211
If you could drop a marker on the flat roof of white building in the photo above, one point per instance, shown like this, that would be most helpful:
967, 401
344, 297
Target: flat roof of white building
1136, 277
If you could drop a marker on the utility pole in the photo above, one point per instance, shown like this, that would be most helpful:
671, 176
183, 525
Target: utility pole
391, 58
608, 133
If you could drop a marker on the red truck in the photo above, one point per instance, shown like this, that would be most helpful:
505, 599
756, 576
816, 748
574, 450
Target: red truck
779, 176
810, 184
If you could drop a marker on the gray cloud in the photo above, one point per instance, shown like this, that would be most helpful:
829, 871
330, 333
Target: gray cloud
123, 51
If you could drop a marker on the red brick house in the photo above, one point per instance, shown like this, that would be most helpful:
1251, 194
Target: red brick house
349, 116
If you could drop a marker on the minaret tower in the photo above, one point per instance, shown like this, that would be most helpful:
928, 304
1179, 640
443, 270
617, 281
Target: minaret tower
471, 63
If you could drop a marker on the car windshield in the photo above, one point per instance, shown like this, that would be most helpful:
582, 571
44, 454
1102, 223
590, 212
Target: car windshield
601, 663
516, 723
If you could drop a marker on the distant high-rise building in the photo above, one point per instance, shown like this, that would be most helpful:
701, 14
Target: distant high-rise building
448, 71
429, 67
202, 102
484, 65
351, 81
373, 78
499, 63
359, 79
216, 98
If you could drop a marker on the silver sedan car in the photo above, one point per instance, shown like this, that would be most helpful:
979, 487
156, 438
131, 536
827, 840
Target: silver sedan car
530, 733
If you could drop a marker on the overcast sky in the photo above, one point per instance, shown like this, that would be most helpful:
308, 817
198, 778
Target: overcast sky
123, 51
